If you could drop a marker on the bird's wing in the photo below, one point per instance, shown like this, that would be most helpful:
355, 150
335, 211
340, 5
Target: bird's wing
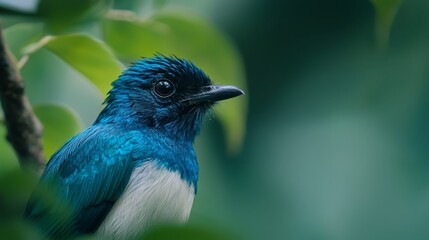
88, 173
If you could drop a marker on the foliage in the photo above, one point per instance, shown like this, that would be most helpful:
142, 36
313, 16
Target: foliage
385, 14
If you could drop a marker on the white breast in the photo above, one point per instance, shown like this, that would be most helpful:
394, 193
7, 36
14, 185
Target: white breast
153, 195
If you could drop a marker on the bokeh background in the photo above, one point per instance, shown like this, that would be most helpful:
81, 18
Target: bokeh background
337, 136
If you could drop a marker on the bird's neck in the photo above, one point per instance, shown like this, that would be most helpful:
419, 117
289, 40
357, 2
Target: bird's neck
183, 127
118, 112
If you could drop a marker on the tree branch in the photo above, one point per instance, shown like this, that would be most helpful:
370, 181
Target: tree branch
24, 130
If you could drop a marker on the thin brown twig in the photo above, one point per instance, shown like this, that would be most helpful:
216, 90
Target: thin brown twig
24, 130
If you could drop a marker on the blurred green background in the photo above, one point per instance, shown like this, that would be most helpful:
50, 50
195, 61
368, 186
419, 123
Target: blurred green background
336, 142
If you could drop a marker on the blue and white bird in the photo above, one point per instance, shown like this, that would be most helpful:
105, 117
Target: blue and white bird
135, 166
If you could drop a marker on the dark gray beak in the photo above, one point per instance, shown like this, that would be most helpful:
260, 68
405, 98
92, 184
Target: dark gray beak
211, 94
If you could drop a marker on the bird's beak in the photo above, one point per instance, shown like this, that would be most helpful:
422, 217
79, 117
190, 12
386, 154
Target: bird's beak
211, 94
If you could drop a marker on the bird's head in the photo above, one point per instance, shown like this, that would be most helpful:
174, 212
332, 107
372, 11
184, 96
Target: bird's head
164, 93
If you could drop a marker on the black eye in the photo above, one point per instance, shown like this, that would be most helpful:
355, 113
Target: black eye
164, 88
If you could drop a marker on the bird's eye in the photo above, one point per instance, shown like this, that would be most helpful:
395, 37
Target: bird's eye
164, 88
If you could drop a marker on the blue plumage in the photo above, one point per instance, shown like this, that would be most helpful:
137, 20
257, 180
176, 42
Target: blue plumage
135, 166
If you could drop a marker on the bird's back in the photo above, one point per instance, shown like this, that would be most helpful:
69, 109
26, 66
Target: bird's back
82, 181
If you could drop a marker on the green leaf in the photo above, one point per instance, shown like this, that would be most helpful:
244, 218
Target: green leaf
385, 14
15, 188
192, 38
60, 123
60, 15
15, 229
19, 36
87, 55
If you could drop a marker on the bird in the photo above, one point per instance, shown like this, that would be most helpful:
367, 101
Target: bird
135, 167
